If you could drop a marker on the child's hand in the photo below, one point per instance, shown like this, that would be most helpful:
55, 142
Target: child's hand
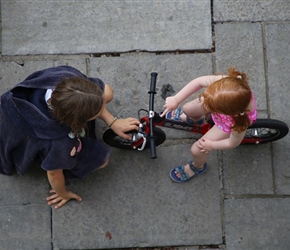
55, 198
121, 126
204, 145
170, 104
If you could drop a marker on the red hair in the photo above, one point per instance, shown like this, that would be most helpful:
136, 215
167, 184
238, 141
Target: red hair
230, 96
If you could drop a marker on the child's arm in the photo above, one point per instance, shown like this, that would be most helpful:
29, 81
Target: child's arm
120, 126
61, 194
172, 102
235, 139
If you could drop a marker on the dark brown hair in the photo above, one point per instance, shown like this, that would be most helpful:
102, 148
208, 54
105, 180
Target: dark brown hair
230, 96
75, 100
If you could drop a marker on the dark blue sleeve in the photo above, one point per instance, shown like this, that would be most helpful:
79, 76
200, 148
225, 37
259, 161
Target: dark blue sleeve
57, 156
99, 82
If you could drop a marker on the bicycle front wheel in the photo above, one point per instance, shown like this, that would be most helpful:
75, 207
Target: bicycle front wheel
265, 130
116, 141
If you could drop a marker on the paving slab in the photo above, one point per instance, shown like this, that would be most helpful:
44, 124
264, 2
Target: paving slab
134, 203
241, 46
25, 227
32, 188
12, 73
278, 51
248, 170
257, 224
51, 27
251, 11
80, 64
25, 217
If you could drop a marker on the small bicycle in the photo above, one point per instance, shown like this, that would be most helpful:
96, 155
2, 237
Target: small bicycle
150, 136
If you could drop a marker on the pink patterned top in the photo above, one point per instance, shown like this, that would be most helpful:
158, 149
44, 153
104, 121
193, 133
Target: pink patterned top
225, 122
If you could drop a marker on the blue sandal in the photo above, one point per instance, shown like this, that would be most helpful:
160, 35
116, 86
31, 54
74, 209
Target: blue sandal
177, 118
185, 176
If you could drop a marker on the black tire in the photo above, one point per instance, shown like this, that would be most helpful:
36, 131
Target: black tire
116, 141
265, 130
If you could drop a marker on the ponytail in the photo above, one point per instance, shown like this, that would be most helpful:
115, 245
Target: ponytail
232, 72
241, 120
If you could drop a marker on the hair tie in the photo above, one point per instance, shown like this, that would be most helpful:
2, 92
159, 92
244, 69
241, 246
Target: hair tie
239, 76
241, 114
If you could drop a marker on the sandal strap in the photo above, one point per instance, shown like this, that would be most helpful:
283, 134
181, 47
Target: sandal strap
178, 113
197, 171
183, 175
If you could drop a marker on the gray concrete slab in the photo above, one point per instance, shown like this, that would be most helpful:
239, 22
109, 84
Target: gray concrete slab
25, 218
53, 27
258, 10
281, 160
32, 188
80, 64
257, 224
25, 227
12, 73
135, 201
248, 170
278, 51
241, 46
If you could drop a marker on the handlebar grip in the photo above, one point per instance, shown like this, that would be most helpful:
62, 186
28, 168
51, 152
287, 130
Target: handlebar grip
153, 154
151, 108
153, 82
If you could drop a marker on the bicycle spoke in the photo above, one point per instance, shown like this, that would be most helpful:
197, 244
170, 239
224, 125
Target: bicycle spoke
261, 133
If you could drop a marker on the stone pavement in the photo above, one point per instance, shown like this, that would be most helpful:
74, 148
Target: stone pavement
242, 202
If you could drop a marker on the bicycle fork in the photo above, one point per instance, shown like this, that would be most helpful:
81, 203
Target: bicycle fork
139, 139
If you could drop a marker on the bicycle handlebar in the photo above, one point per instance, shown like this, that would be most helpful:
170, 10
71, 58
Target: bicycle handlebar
152, 92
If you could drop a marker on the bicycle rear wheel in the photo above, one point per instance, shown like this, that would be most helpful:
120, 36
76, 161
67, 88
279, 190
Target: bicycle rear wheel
265, 130
116, 141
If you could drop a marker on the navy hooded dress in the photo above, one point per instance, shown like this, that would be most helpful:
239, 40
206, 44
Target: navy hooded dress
28, 132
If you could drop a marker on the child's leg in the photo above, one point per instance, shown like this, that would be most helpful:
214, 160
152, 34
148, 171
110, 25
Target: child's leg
214, 134
199, 157
193, 110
